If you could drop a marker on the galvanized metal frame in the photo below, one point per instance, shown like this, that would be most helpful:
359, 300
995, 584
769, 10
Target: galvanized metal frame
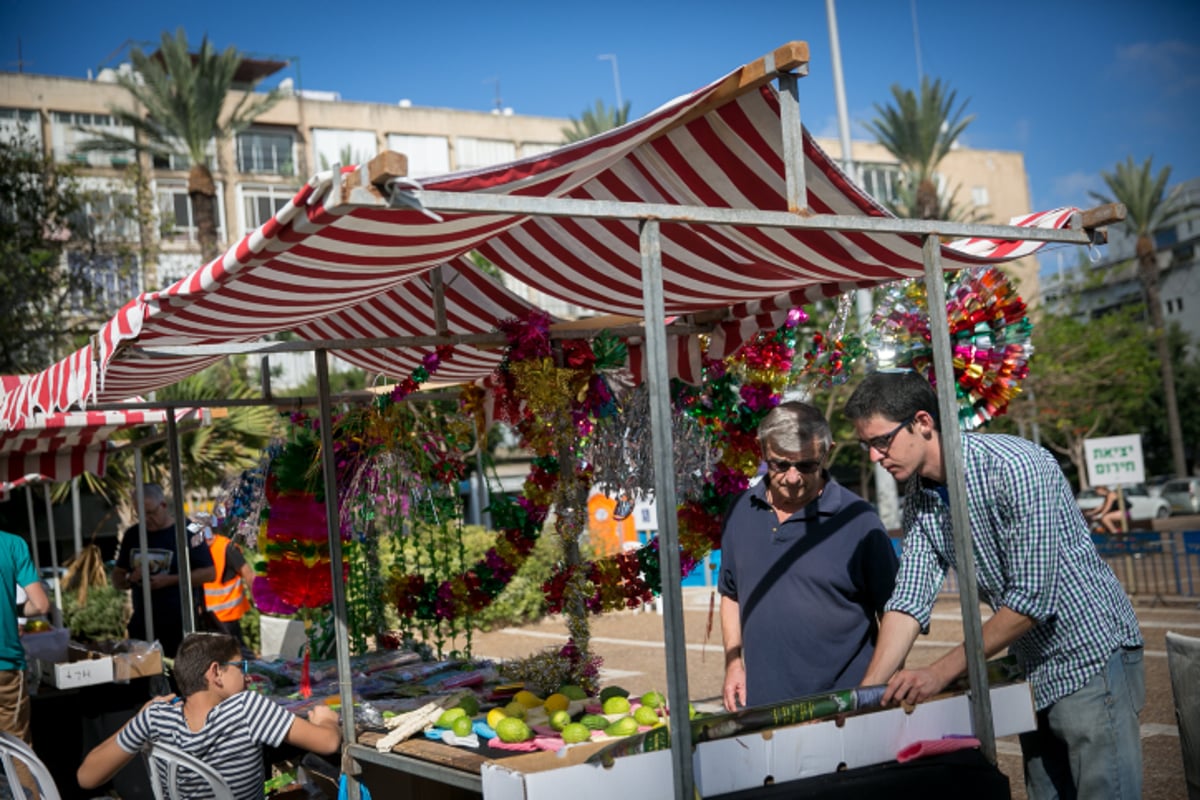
651, 216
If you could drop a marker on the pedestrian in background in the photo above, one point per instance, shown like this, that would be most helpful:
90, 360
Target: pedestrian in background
162, 555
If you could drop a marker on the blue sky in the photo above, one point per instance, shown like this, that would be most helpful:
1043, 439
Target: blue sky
1076, 86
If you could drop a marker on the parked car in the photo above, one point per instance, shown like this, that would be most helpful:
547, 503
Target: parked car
1155, 483
1141, 505
1183, 494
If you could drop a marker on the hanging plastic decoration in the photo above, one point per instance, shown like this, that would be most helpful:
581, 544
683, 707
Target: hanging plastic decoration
989, 331
828, 359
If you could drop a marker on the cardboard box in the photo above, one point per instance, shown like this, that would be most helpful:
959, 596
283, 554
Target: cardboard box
553, 776
140, 664
82, 668
745, 762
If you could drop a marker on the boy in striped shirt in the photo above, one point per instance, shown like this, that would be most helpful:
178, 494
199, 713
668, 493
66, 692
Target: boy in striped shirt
214, 719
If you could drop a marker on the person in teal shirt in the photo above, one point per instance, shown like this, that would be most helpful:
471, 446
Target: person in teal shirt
16, 569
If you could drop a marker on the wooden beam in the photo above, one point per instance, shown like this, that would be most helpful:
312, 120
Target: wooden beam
385, 166
791, 57
1107, 214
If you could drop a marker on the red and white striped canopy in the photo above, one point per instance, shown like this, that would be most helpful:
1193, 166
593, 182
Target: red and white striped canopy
60, 446
337, 264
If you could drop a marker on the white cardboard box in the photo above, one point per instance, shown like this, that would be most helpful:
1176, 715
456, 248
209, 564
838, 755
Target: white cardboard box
744, 762
89, 668
554, 776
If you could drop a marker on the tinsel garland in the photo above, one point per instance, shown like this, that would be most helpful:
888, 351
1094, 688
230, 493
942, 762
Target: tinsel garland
990, 338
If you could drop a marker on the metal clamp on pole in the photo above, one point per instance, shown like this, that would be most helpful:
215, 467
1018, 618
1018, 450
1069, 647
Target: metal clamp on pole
403, 193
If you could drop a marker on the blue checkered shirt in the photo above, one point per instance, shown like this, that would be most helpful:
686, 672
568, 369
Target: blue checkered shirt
1033, 555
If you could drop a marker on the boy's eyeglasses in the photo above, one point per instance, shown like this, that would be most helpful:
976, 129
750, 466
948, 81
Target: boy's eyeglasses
243, 665
884, 443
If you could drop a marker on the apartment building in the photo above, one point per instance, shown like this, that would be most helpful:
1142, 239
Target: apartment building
258, 171
1090, 289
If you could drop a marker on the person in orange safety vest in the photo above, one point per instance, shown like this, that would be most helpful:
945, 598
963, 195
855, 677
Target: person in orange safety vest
227, 596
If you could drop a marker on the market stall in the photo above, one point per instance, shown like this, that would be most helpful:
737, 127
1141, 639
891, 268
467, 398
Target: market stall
706, 222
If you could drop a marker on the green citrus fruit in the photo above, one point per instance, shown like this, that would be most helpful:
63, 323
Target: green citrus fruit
622, 727
616, 705
594, 722
448, 716
512, 729
572, 691
470, 704
653, 699
575, 733
645, 715
560, 719
462, 726
515, 709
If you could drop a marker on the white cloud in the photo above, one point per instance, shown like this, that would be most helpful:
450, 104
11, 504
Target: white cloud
1173, 67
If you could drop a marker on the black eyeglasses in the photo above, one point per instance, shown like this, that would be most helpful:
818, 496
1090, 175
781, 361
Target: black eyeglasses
243, 665
780, 465
883, 443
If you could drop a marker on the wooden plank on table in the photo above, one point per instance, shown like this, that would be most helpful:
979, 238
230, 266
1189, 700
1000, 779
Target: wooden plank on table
440, 753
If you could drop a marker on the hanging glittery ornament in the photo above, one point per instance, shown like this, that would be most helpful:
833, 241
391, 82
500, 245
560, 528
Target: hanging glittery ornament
989, 338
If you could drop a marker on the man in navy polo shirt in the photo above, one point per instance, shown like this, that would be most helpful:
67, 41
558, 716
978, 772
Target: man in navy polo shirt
806, 568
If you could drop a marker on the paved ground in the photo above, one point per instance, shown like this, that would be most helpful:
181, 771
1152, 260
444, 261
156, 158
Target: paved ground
631, 645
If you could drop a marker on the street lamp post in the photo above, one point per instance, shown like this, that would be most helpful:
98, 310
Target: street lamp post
616, 77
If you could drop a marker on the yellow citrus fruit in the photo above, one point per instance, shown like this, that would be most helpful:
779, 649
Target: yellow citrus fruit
576, 732
645, 715
515, 709
653, 699
527, 698
560, 719
511, 729
556, 702
616, 705
494, 716
622, 727
448, 716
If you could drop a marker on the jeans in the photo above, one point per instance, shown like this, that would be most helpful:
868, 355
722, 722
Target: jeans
1088, 744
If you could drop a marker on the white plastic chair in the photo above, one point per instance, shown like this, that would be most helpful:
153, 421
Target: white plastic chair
1183, 665
13, 751
164, 763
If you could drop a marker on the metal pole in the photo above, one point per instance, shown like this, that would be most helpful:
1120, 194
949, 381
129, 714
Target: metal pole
664, 494
37, 562
139, 494
886, 499
956, 484
181, 532
793, 143
53, 545
76, 515
334, 530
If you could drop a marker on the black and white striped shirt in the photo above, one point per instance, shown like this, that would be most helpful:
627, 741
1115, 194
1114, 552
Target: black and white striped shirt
230, 742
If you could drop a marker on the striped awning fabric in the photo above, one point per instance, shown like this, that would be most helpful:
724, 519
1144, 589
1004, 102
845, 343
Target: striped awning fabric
59, 446
337, 263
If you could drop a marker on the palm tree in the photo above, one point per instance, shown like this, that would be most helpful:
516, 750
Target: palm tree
208, 454
1148, 207
597, 120
182, 99
919, 132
